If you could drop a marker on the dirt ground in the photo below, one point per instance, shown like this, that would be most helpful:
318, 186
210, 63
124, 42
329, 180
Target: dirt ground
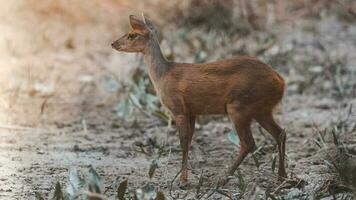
57, 112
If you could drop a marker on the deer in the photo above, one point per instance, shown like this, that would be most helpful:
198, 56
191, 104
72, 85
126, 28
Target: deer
242, 87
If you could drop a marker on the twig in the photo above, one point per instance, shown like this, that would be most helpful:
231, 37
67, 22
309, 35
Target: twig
200, 183
93, 195
13, 127
169, 157
293, 183
43, 105
223, 193
279, 187
171, 186
214, 190
155, 114
84, 125
139, 107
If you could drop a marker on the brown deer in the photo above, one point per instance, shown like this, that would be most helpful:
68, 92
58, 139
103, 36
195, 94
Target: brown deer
242, 87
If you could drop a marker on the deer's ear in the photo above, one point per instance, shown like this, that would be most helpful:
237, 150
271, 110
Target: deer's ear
149, 23
138, 25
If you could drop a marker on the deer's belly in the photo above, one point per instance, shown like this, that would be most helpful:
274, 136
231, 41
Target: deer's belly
207, 105
197, 105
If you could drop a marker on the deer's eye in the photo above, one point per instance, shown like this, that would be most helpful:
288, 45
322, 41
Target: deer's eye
132, 36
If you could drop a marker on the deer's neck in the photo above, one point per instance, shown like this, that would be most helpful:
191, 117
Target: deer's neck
157, 63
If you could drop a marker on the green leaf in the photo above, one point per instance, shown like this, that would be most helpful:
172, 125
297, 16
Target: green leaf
75, 183
121, 190
200, 57
151, 99
329, 164
149, 191
161, 115
242, 184
135, 99
200, 183
58, 194
274, 161
95, 184
137, 75
111, 84
124, 108
153, 168
232, 136
335, 137
160, 196
38, 196
257, 163
318, 143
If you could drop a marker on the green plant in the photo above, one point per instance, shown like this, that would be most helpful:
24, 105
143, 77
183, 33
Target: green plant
140, 95
90, 187
80, 187
340, 161
232, 136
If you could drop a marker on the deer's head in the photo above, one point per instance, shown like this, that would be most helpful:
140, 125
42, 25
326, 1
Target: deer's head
137, 40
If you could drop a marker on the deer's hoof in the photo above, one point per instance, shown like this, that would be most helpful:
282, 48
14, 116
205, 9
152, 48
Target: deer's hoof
183, 184
223, 181
282, 176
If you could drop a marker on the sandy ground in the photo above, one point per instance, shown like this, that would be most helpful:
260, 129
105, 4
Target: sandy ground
33, 160
57, 114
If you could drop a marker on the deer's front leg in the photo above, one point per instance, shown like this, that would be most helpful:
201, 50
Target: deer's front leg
185, 129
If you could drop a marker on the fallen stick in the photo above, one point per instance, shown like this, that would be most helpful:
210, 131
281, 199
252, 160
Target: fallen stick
14, 127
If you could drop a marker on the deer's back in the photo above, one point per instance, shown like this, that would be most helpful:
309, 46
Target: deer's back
207, 88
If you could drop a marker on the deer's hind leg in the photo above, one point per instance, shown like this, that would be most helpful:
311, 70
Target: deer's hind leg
266, 120
241, 119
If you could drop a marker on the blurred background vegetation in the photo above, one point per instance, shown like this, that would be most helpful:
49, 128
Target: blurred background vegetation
299, 38
295, 37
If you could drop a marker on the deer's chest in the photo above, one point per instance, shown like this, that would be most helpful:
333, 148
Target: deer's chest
190, 98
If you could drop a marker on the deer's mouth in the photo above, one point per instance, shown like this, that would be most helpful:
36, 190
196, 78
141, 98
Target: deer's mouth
115, 46
118, 48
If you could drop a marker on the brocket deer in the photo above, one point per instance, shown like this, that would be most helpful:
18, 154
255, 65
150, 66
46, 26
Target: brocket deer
242, 87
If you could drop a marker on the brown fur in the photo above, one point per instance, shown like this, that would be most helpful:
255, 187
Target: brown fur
242, 87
